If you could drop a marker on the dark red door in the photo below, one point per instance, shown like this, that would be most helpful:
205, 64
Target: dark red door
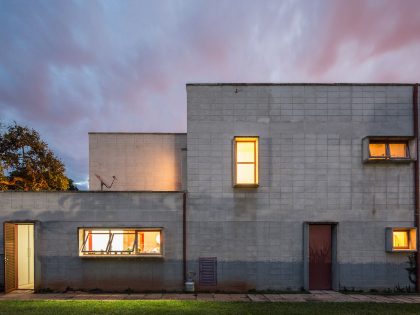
320, 257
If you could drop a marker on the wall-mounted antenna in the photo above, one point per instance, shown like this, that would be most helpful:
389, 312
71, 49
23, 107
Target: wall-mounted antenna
103, 182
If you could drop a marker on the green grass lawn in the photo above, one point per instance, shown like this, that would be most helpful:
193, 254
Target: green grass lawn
198, 307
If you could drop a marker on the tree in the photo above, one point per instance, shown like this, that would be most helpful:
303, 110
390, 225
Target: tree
26, 162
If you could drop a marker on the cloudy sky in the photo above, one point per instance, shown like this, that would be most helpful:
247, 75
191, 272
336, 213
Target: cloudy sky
70, 67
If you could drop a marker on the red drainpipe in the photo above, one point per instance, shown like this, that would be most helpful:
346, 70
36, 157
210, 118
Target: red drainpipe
184, 236
416, 177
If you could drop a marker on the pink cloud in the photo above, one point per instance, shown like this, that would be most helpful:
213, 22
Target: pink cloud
67, 68
373, 27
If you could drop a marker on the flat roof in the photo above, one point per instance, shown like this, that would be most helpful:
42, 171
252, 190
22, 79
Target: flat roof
94, 191
138, 133
300, 84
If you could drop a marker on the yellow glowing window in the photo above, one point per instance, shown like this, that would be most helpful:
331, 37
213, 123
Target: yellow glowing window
119, 242
246, 161
398, 150
400, 239
377, 150
388, 150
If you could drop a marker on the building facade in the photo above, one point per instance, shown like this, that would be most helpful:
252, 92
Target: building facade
273, 187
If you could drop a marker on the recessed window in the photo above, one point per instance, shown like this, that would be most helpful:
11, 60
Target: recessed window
246, 161
120, 242
388, 150
401, 239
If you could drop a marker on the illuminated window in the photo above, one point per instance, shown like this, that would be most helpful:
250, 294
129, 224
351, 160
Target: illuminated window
398, 150
120, 242
400, 239
246, 161
388, 150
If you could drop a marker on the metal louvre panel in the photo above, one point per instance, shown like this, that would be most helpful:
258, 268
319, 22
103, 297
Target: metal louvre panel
208, 271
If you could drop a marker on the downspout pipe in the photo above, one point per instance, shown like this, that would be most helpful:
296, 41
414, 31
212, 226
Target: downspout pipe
416, 178
184, 236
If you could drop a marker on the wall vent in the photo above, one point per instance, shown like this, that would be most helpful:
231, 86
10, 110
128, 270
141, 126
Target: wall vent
207, 271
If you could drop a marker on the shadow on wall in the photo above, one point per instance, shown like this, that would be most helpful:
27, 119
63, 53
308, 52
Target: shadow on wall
60, 214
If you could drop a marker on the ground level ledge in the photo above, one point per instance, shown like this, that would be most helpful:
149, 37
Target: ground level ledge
313, 296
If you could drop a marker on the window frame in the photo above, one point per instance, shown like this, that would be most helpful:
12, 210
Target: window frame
235, 163
388, 151
83, 233
411, 239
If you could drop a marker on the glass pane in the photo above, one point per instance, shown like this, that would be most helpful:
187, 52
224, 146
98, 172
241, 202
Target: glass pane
149, 242
122, 240
98, 240
245, 151
245, 174
377, 149
400, 239
398, 150
128, 240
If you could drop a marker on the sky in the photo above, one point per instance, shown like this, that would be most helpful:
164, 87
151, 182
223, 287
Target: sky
71, 67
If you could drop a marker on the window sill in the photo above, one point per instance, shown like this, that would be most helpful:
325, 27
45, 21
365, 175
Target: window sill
402, 251
120, 256
246, 186
395, 160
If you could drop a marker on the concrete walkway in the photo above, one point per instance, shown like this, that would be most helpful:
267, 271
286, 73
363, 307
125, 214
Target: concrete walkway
314, 296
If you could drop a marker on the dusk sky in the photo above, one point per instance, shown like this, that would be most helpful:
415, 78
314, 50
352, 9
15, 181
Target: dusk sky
70, 67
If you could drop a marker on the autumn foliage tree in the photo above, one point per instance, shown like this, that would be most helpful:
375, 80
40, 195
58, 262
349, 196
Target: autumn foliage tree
27, 163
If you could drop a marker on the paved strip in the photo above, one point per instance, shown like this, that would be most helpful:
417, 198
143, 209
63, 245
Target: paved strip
314, 296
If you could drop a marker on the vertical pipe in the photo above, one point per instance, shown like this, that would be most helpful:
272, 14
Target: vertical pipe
184, 236
416, 176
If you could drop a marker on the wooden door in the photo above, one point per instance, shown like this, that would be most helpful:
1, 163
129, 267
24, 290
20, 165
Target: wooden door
320, 257
10, 257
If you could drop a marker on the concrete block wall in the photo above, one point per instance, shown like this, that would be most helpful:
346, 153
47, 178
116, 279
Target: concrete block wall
58, 215
139, 161
310, 170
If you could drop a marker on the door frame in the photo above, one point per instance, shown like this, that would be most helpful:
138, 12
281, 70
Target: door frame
334, 266
37, 270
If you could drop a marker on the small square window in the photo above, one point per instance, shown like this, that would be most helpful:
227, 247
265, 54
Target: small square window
398, 150
401, 239
245, 162
377, 150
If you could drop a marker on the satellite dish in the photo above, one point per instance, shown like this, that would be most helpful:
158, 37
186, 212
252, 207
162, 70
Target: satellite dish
103, 183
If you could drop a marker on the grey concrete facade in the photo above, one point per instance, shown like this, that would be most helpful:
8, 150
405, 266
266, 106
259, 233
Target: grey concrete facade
57, 217
139, 161
310, 170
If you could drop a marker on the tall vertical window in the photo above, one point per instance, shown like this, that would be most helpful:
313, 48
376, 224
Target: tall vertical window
245, 162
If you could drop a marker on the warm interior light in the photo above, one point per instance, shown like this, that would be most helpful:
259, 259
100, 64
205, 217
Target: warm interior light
98, 240
149, 242
246, 164
121, 242
245, 151
245, 174
400, 239
398, 150
377, 149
